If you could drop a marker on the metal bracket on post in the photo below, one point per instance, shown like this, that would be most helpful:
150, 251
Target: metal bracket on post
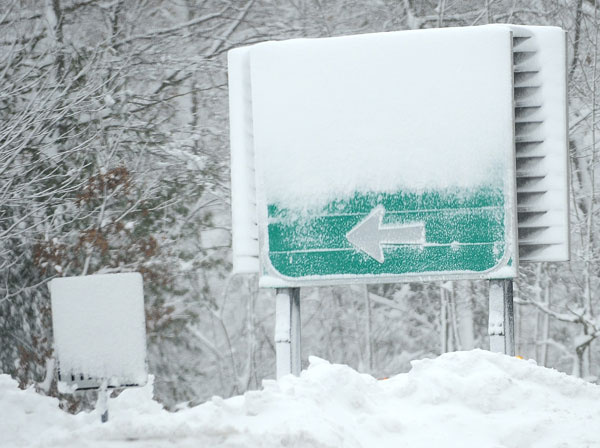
287, 331
501, 327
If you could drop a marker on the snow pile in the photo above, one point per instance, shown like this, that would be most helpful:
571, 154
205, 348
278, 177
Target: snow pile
463, 399
25, 414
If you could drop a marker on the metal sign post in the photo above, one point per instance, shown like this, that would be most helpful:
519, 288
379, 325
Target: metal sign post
501, 318
287, 331
102, 403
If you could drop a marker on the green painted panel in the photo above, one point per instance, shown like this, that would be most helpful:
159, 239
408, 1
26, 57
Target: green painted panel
464, 231
442, 227
399, 260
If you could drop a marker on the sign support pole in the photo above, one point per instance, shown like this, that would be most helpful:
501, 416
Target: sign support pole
501, 327
287, 331
102, 404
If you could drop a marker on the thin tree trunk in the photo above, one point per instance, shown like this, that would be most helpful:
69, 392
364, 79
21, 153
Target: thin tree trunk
443, 320
545, 324
578, 16
538, 312
369, 340
441, 10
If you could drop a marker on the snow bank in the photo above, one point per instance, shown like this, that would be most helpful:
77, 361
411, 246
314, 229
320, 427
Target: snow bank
25, 414
463, 399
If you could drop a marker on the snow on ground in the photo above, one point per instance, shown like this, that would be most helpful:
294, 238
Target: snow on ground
463, 399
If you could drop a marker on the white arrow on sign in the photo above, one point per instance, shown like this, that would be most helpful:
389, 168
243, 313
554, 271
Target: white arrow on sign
370, 235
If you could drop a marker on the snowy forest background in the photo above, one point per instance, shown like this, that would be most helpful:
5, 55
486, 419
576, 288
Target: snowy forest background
114, 157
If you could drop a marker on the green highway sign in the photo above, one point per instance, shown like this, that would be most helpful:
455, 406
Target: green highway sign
390, 235
379, 158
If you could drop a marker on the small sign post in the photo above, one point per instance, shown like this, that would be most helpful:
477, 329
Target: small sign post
99, 330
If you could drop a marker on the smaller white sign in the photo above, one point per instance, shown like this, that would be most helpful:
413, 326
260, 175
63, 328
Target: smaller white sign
99, 330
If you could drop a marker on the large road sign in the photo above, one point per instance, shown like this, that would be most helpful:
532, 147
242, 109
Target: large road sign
381, 158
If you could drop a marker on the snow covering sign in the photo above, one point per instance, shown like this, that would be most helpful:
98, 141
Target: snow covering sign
99, 328
382, 157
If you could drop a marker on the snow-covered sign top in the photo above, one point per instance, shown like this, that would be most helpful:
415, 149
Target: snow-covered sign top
380, 112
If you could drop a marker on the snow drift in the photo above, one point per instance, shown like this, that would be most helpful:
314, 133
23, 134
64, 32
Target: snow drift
462, 399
